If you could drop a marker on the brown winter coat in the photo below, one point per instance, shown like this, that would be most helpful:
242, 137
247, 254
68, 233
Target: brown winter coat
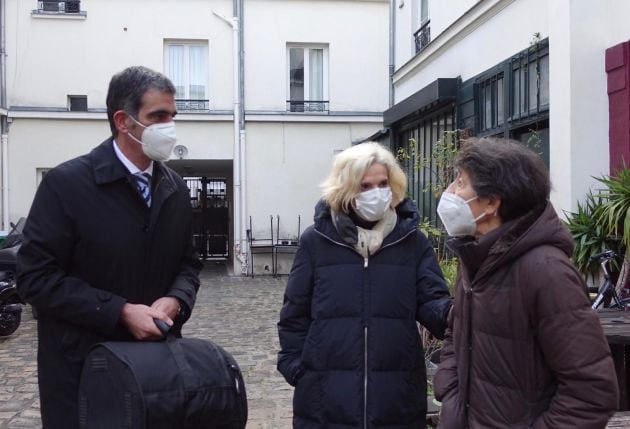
523, 348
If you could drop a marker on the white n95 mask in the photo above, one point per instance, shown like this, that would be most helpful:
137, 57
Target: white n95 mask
157, 140
371, 205
456, 215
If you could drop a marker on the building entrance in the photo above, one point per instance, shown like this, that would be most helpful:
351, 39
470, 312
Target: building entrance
210, 206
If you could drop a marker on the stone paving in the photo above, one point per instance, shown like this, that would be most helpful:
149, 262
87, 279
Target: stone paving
238, 313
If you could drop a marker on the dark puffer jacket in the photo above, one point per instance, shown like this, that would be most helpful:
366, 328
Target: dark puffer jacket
348, 334
524, 348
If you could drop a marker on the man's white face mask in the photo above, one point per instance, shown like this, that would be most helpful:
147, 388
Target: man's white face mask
371, 205
157, 140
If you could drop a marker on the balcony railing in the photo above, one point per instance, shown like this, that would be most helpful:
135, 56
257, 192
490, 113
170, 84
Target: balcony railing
68, 6
192, 105
422, 36
307, 105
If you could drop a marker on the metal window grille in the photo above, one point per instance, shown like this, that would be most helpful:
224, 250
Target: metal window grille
529, 82
192, 105
490, 99
307, 106
416, 142
68, 6
422, 37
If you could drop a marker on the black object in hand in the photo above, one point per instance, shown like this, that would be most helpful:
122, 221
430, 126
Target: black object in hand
162, 326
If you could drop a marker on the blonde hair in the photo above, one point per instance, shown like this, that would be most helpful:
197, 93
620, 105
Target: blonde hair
343, 183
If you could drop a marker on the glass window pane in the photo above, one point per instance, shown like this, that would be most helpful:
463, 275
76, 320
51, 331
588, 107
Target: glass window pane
316, 74
532, 86
488, 106
544, 80
197, 67
500, 101
424, 11
175, 69
296, 74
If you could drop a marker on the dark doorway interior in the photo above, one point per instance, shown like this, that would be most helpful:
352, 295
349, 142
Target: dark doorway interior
208, 198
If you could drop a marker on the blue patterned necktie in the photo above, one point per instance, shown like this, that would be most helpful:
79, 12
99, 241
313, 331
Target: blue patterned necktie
143, 180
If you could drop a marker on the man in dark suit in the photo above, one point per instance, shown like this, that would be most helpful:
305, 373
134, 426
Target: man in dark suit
107, 244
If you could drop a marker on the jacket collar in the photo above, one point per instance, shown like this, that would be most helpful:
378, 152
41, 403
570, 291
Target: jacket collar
541, 226
406, 211
107, 168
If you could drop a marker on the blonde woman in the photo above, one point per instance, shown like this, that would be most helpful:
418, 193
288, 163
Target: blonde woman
363, 276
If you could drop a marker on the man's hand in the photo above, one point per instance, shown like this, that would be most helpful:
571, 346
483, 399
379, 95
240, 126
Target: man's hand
138, 318
168, 305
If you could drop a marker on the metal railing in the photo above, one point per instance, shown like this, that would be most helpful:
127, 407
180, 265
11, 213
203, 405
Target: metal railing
307, 105
68, 6
422, 36
192, 105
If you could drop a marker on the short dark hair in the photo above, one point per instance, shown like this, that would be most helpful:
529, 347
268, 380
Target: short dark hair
127, 88
508, 170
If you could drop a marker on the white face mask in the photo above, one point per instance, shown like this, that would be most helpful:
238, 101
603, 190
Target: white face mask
371, 205
157, 140
456, 215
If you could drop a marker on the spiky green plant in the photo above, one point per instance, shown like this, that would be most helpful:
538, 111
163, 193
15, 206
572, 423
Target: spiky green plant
591, 236
614, 213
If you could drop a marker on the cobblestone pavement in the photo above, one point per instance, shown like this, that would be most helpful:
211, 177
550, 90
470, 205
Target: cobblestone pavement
238, 313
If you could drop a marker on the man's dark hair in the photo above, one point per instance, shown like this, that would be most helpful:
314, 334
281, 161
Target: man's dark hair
127, 88
508, 170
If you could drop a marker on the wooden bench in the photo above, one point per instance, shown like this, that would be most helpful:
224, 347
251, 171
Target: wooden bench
619, 420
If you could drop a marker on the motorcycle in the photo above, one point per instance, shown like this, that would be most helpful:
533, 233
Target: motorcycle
10, 301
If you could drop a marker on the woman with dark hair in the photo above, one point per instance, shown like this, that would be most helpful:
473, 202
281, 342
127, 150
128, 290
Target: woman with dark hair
523, 348
362, 278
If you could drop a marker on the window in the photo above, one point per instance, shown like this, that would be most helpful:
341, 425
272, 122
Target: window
529, 92
490, 98
77, 103
422, 36
186, 64
308, 78
418, 151
68, 6
511, 100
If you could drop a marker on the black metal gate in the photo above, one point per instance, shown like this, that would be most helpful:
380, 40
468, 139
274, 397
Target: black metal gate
208, 198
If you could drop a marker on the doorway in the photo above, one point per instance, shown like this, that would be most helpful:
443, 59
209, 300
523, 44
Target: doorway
210, 211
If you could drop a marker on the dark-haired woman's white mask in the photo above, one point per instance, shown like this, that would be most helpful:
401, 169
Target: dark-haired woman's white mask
456, 215
371, 205
157, 140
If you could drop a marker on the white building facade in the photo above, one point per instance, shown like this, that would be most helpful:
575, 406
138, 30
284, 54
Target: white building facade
538, 71
267, 92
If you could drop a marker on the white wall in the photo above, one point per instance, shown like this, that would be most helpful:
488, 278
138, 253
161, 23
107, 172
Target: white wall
476, 43
578, 92
286, 164
51, 58
441, 14
37, 144
355, 31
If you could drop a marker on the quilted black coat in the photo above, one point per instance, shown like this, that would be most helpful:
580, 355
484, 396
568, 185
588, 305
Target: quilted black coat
348, 333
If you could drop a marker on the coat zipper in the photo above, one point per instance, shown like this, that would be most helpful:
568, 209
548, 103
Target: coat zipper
365, 327
365, 374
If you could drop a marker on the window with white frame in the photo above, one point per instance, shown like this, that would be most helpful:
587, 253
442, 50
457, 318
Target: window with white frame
186, 64
307, 78
422, 35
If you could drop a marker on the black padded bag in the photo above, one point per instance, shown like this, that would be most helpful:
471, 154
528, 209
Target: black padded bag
172, 384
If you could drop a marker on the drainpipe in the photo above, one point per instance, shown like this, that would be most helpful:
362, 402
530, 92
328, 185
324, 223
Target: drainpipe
237, 166
392, 49
241, 119
4, 126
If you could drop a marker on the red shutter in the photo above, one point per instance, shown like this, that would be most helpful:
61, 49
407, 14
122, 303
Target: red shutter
618, 69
